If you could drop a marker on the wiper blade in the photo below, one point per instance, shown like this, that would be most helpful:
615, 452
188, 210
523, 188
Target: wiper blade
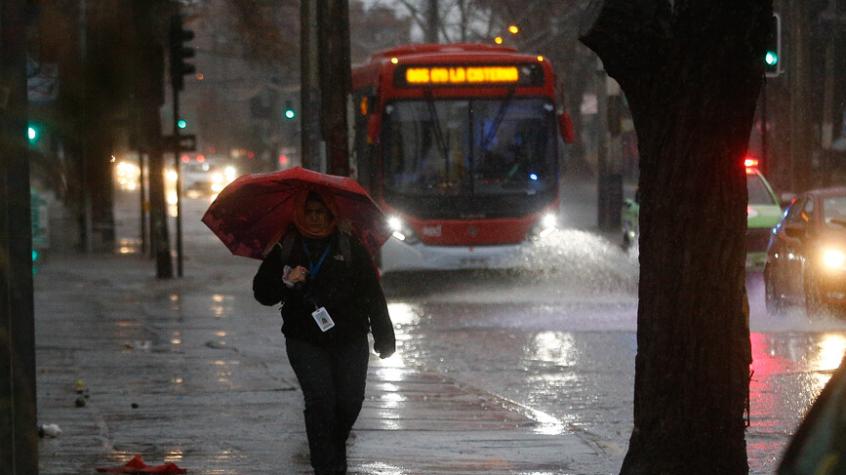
439, 135
500, 115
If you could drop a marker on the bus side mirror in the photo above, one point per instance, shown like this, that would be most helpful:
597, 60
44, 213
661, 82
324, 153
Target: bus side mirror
565, 127
374, 126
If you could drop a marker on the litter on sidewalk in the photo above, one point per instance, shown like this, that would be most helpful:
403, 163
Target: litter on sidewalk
137, 466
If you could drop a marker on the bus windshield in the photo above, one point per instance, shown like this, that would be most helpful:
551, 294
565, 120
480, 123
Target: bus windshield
476, 147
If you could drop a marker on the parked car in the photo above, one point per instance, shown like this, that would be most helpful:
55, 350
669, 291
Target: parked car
806, 257
763, 212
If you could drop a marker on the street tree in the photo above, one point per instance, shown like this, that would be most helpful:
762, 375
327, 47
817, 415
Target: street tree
691, 71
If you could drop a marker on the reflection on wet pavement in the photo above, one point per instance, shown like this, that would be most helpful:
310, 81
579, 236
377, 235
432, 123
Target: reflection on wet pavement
488, 362
569, 354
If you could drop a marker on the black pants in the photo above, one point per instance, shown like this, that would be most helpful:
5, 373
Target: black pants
332, 379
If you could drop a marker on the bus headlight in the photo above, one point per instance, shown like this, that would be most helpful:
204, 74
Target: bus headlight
544, 227
833, 258
400, 230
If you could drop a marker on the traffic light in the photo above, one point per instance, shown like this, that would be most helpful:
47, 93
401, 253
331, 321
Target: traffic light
289, 111
772, 53
182, 123
33, 133
179, 52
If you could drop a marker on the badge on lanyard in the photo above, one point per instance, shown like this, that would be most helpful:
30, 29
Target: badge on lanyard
320, 315
322, 318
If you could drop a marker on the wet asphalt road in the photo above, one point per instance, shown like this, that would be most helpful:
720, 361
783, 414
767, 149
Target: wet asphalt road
557, 338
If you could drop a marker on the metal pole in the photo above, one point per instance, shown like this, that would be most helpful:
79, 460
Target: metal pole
18, 414
310, 100
151, 93
86, 221
432, 22
335, 82
602, 147
799, 77
828, 102
143, 201
765, 163
178, 168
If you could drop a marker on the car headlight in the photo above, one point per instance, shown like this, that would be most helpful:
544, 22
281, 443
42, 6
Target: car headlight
833, 259
400, 230
549, 221
171, 176
394, 223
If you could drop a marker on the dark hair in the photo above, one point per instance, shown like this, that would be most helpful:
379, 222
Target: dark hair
315, 196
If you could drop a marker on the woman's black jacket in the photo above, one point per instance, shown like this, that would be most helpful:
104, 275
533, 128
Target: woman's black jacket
350, 291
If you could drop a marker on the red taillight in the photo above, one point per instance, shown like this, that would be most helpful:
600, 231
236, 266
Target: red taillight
750, 162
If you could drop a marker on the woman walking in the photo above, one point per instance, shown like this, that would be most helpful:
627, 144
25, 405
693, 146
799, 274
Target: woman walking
331, 297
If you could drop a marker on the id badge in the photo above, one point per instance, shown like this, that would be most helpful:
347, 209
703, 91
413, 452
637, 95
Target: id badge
322, 318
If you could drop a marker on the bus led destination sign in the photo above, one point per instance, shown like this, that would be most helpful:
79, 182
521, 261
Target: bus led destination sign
460, 75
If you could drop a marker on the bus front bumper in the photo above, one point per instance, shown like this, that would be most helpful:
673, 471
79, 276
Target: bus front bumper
399, 256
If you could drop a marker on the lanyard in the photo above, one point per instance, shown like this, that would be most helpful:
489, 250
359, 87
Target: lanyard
314, 268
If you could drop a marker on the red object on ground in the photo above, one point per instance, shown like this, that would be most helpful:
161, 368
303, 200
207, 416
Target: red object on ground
137, 466
253, 212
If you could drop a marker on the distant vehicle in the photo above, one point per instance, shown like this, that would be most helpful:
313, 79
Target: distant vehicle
196, 179
204, 179
762, 213
806, 258
459, 144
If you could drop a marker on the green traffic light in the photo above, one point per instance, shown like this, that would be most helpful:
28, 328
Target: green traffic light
771, 58
33, 134
182, 123
290, 114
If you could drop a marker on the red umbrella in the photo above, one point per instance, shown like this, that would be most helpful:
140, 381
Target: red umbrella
253, 212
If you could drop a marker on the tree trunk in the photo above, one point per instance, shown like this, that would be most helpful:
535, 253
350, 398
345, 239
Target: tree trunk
691, 72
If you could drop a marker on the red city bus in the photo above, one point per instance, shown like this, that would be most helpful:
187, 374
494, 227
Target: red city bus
460, 146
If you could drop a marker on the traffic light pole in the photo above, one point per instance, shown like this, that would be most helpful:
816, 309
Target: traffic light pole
18, 436
179, 52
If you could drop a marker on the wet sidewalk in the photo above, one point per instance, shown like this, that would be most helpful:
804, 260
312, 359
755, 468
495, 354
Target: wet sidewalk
193, 371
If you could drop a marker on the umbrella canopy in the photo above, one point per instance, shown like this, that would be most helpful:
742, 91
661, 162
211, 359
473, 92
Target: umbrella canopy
254, 212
